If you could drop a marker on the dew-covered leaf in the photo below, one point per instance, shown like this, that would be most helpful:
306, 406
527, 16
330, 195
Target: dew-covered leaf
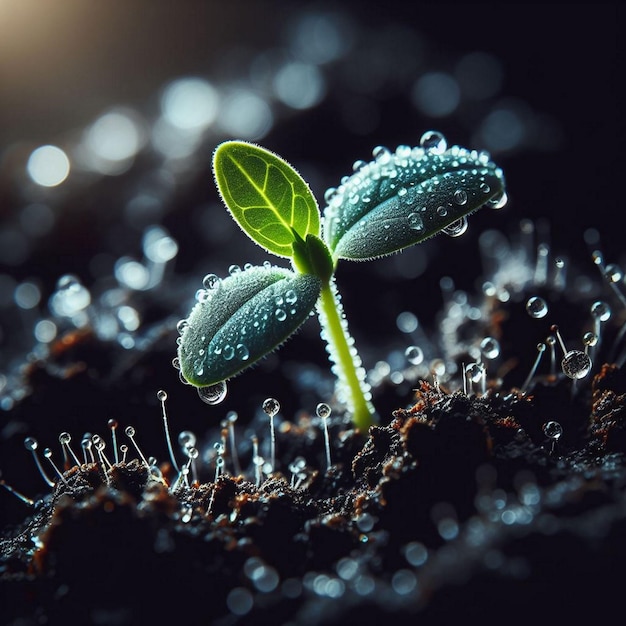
403, 197
266, 196
242, 318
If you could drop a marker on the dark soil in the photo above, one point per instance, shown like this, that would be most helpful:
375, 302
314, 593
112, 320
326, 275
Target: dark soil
456, 507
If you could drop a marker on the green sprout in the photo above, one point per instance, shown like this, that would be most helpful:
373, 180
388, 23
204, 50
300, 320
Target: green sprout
386, 205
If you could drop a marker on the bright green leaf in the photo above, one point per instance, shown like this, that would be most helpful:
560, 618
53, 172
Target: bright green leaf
265, 195
402, 198
241, 319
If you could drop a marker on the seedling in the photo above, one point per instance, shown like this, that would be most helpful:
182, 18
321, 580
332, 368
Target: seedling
386, 205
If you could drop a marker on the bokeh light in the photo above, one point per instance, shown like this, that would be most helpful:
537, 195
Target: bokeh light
190, 103
436, 94
48, 166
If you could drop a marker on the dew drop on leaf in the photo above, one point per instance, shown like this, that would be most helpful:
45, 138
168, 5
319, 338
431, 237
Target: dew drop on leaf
329, 193
434, 141
382, 155
460, 196
457, 228
213, 394
498, 201
211, 281
202, 295
415, 221
242, 352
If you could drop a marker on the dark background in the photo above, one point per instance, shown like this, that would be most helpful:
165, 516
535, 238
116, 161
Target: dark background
63, 63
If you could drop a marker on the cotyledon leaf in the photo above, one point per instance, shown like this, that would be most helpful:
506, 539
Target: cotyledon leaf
404, 197
242, 318
266, 196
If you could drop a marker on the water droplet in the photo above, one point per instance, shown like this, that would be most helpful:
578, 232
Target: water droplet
474, 371
613, 273
457, 228
402, 191
403, 151
228, 353
176, 363
499, 201
485, 188
460, 196
576, 364
211, 281
358, 165
234, 269
202, 295
162, 395
490, 348
552, 430
130, 431
280, 314
186, 439
181, 325
64, 438
590, 339
329, 193
381, 154
30, 443
242, 352
291, 297
415, 221
271, 406
601, 311
414, 355
536, 307
434, 142
323, 410
213, 394
442, 211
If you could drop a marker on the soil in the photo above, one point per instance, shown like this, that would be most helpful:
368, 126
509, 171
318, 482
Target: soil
456, 506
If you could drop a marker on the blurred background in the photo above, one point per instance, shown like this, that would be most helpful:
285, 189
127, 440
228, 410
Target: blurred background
110, 112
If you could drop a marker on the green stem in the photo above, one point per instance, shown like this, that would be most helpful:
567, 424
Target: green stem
346, 361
